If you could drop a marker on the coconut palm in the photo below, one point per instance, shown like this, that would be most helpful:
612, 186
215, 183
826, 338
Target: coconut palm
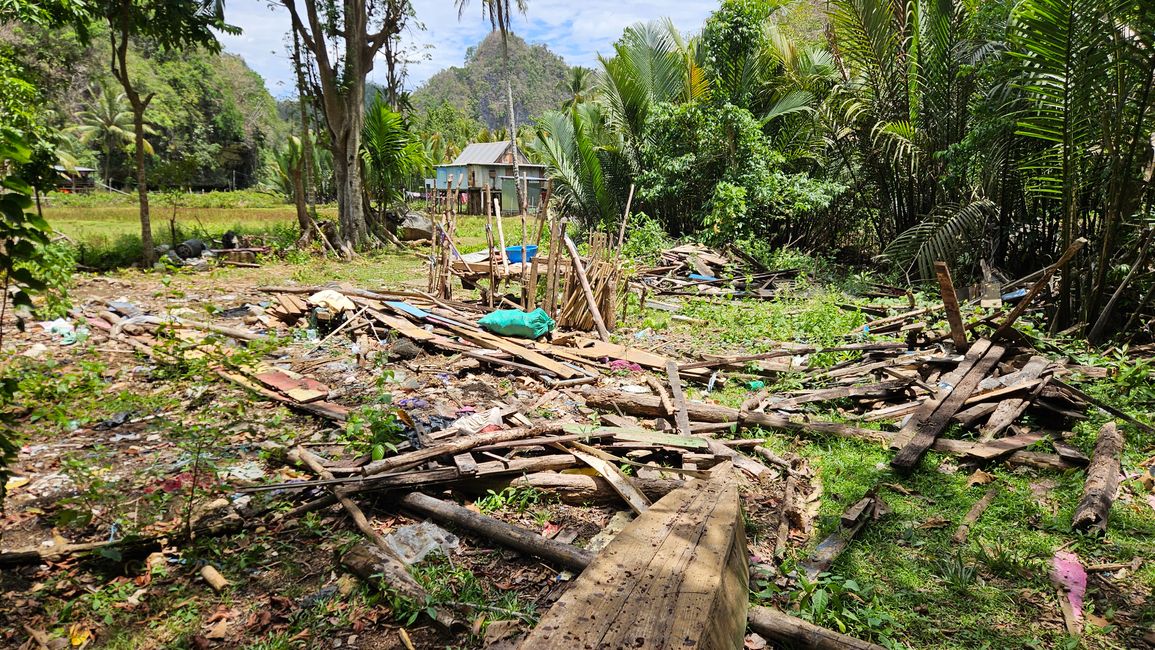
392, 156
108, 121
499, 15
579, 87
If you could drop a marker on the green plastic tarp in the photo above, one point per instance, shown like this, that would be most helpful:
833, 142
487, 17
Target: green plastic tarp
514, 322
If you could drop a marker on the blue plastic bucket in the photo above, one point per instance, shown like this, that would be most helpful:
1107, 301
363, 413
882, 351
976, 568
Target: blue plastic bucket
514, 253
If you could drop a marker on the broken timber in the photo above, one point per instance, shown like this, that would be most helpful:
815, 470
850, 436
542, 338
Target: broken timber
675, 577
853, 520
1102, 481
793, 632
934, 415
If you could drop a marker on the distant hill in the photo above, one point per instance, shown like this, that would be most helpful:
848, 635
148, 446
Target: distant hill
478, 88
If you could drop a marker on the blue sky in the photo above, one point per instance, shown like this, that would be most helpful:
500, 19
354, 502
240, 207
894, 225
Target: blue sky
575, 29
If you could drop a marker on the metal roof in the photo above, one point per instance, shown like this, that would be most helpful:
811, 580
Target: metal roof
481, 153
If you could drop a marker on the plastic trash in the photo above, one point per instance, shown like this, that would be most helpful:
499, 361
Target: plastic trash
757, 384
412, 543
513, 253
1014, 295
514, 322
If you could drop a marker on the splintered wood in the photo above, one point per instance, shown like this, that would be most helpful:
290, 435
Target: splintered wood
675, 577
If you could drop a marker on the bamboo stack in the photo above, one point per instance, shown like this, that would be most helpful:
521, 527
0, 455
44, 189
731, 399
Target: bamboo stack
604, 272
441, 260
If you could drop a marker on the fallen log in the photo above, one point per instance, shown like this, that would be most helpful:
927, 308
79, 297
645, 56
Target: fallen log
1102, 481
793, 632
488, 528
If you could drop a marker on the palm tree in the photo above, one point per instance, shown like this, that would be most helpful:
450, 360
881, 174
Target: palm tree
579, 87
108, 121
498, 12
392, 155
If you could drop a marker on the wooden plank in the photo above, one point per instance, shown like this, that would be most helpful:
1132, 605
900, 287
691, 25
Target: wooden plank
1103, 405
870, 507
538, 359
681, 415
958, 333
1009, 410
617, 480
465, 464
593, 349
879, 390
933, 416
637, 434
1009, 322
675, 577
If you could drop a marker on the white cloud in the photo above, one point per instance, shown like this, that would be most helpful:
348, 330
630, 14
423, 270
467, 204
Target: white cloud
577, 31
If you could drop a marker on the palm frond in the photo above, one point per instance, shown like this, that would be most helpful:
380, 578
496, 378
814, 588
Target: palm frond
938, 237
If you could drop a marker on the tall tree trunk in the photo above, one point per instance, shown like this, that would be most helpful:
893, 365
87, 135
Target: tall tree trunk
522, 203
149, 254
119, 39
302, 185
350, 198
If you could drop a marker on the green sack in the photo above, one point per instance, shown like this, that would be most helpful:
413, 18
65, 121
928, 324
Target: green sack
514, 322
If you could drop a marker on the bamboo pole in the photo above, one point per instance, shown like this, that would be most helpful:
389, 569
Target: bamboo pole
591, 300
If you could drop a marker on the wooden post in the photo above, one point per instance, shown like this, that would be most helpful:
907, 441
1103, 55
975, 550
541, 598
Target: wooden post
625, 218
500, 235
681, 415
556, 229
1009, 322
958, 332
591, 300
524, 262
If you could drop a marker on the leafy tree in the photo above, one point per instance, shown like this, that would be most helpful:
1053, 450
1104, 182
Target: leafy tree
108, 121
168, 25
579, 87
343, 30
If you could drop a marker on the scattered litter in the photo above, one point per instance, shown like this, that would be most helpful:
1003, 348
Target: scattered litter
412, 543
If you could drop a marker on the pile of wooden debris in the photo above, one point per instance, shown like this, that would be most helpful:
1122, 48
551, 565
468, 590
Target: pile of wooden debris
687, 550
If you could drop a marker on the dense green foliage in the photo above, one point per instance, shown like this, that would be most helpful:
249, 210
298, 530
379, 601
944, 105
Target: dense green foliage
212, 125
477, 89
932, 130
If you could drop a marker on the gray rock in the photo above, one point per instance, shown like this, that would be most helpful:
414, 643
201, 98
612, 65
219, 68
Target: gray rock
414, 227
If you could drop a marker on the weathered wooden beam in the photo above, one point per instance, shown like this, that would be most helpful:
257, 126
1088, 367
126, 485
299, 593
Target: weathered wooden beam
676, 576
933, 416
1009, 322
958, 333
1102, 481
